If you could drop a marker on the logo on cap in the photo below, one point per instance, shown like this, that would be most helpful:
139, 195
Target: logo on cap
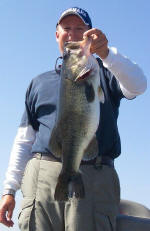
79, 12
75, 10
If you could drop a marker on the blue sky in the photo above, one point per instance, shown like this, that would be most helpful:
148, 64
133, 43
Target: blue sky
28, 48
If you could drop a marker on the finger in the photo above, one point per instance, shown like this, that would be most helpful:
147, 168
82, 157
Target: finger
10, 212
99, 46
3, 218
92, 31
99, 40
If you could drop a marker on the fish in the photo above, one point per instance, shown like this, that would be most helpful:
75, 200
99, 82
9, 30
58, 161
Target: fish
73, 137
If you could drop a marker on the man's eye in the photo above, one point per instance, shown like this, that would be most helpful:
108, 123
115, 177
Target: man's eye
67, 28
79, 28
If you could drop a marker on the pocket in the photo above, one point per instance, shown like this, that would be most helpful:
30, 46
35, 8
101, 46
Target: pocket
105, 222
26, 213
25, 170
30, 179
112, 221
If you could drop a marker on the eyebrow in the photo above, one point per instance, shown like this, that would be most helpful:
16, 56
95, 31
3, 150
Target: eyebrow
78, 25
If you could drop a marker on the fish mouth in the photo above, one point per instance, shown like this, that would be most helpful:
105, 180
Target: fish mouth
73, 45
83, 75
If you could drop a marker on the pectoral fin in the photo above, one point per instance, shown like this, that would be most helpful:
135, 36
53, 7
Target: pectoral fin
89, 92
101, 94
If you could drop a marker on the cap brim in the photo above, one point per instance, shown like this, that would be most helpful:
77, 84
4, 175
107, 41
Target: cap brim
71, 13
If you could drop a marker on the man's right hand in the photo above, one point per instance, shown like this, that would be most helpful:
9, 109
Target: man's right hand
7, 205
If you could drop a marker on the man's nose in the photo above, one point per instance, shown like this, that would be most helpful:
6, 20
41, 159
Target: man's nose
71, 35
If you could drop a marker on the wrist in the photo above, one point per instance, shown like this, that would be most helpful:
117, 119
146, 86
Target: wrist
103, 54
9, 192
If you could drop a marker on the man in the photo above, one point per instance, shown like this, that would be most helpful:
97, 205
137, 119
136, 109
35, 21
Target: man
97, 211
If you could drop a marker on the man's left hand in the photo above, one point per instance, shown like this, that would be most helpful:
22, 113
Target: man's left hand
99, 42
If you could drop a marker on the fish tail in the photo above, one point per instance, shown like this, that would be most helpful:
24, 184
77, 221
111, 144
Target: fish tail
76, 187
61, 190
68, 187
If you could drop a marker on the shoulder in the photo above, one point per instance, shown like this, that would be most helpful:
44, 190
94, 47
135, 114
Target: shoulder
48, 79
46, 76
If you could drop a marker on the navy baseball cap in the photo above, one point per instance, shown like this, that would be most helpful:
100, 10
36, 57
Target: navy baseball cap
79, 12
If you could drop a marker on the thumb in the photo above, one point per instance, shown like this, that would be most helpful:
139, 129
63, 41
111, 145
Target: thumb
10, 212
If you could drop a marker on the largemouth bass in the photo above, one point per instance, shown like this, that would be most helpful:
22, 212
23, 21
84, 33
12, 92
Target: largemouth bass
73, 137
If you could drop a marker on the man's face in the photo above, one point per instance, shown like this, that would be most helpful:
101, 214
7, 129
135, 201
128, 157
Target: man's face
71, 28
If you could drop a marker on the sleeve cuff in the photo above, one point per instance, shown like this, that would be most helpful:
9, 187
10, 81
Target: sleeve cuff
108, 61
9, 192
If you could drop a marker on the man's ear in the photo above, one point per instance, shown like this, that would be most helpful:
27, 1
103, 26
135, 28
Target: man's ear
57, 36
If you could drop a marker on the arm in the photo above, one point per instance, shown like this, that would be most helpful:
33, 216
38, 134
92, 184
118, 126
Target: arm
20, 154
131, 78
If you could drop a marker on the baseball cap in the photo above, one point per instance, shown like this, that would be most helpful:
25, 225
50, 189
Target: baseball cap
79, 12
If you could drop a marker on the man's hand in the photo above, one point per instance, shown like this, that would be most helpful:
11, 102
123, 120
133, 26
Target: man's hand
99, 42
7, 205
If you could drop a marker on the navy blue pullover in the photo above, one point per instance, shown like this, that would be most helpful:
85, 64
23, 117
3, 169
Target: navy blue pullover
41, 105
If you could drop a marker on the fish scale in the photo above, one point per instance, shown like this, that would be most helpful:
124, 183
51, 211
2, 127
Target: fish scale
73, 137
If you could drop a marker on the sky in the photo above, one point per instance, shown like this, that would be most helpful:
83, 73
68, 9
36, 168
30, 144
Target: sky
28, 48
